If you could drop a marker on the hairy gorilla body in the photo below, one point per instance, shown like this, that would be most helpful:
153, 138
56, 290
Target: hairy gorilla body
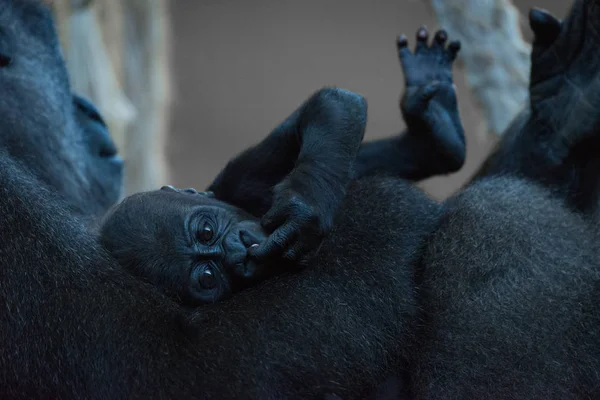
501, 282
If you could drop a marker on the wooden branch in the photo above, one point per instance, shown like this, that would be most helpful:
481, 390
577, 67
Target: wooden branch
494, 53
147, 84
116, 55
94, 74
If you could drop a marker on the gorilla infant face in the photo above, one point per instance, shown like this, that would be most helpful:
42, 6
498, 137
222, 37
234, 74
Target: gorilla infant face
192, 246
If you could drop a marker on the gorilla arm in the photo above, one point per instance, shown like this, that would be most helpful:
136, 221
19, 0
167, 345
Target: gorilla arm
317, 144
297, 176
434, 142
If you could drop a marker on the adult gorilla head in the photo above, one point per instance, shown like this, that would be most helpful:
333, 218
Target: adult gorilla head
61, 139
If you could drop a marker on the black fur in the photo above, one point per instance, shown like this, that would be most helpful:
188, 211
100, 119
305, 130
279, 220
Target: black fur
510, 279
521, 323
75, 325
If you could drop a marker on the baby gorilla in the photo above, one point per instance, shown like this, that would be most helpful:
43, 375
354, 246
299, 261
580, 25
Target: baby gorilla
270, 207
189, 244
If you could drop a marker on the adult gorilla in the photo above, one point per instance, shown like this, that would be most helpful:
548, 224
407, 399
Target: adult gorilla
509, 267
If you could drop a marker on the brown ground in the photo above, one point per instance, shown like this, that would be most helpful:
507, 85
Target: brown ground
243, 66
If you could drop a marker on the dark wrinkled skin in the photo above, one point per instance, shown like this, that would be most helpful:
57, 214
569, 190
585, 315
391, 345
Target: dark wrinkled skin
501, 282
148, 233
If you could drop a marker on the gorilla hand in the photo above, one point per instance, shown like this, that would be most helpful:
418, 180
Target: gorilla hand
329, 128
302, 214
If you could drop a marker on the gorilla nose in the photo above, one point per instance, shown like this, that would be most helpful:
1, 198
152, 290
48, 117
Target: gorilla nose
88, 109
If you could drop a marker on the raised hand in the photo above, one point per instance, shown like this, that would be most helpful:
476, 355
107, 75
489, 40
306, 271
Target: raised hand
434, 143
429, 103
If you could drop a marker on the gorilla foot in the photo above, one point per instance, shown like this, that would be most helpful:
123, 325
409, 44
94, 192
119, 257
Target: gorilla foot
429, 103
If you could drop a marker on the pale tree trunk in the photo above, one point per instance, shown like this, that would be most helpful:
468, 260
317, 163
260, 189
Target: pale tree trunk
116, 55
146, 83
494, 53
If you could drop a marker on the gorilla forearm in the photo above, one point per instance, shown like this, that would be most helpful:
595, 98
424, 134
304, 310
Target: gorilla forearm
410, 156
326, 130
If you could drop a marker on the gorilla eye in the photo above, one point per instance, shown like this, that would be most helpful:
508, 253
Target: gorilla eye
206, 234
207, 278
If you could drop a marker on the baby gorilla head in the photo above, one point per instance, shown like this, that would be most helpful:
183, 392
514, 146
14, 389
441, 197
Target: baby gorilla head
191, 245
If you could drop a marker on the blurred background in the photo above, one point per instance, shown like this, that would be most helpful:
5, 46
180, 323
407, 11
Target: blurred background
187, 84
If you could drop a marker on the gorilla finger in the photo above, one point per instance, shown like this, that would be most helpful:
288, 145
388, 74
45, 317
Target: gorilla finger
422, 36
440, 39
275, 244
295, 252
169, 188
453, 49
208, 194
274, 218
545, 26
429, 90
402, 46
